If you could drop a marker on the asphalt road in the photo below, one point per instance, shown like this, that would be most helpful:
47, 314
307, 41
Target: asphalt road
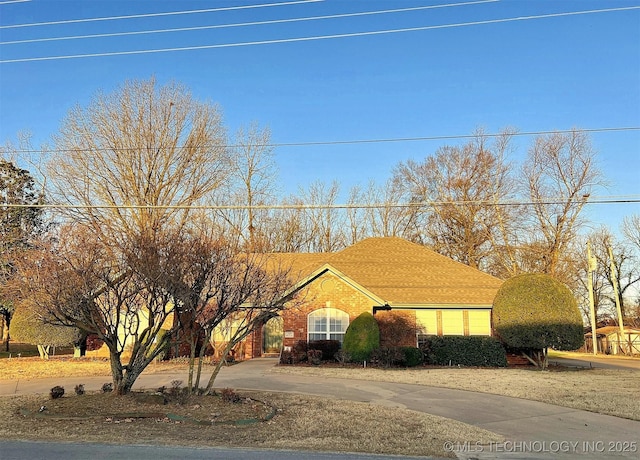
19, 450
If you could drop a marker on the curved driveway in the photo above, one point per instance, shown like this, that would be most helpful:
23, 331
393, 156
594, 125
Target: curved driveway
532, 429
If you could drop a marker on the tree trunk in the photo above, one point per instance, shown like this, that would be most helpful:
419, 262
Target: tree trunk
7, 323
43, 350
538, 358
216, 370
120, 386
80, 348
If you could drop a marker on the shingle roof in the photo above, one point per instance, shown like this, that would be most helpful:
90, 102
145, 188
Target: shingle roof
402, 273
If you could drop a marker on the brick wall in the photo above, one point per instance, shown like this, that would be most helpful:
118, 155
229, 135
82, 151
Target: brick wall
327, 291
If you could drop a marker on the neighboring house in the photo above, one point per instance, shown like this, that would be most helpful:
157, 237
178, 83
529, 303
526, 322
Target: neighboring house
376, 275
611, 342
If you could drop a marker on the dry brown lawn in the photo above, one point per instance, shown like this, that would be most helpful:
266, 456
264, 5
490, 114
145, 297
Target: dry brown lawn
300, 422
67, 366
612, 392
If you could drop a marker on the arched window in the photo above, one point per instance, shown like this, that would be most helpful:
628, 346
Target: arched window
327, 324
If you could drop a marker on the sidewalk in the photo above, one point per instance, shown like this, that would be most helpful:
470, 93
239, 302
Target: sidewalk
535, 426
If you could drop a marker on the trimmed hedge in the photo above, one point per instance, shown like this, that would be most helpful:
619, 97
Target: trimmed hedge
397, 357
412, 356
464, 351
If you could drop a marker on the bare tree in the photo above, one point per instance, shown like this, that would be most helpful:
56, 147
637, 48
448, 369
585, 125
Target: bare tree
627, 268
83, 283
135, 161
631, 230
252, 185
385, 213
456, 192
325, 223
559, 175
249, 290
288, 229
132, 166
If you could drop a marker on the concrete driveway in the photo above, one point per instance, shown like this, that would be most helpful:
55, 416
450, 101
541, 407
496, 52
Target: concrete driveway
533, 429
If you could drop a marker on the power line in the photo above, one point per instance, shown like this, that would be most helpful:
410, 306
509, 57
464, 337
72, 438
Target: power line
352, 141
150, 15
628, 199
316, 37
6, 2
245, 24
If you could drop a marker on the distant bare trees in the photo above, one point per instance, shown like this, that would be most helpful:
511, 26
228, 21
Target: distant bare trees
456, 194
559, 176
474, 207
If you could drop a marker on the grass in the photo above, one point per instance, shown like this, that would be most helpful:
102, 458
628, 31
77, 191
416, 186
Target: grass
606, 391
301, 422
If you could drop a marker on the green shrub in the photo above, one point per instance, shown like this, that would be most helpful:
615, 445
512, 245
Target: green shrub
286, 357
362, 337
533, 312
159, 338
412, 356
299, 351
328, 348
464, 351
397, 356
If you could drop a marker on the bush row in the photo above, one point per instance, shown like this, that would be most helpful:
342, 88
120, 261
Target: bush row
314, 352
464, 351
439, 351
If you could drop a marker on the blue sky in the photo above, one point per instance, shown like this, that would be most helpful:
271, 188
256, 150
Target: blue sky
536, 74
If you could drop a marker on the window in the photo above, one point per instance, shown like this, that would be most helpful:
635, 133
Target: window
479, 322
327, 324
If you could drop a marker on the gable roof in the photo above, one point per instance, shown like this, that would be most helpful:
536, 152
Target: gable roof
401, 273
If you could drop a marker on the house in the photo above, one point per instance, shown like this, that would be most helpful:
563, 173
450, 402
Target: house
378, 275
612, 343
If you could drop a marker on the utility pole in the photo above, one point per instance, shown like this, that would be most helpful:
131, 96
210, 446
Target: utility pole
591, 261
614, 282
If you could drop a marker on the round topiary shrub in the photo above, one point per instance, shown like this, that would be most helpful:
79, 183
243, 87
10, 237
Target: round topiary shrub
533, 312
362, 337
29, 326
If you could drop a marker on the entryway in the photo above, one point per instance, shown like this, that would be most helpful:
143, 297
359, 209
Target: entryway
272, 333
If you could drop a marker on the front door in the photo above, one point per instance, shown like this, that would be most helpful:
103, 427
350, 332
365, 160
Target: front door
272, 335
